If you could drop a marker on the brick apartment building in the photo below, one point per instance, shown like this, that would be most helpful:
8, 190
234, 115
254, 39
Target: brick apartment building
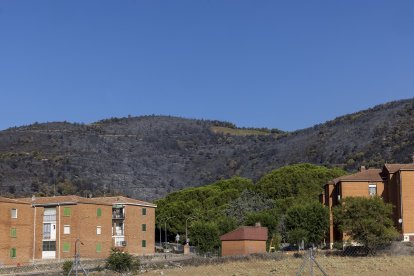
47, 227
394, 183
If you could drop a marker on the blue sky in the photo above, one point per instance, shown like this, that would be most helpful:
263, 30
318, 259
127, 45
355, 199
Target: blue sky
276, 64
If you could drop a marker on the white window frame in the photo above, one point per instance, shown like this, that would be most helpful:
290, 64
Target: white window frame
98, 230
66, 229
11, 213
372, 186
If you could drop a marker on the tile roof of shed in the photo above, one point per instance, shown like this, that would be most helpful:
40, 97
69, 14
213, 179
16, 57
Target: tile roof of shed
255, 233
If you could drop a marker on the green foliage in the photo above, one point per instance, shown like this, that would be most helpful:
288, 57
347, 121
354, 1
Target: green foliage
207, 202
268, 218
205, 235
120, 261
297, 235
311, 220
66, 266
366, 221
304, 181
226, 224
248, 202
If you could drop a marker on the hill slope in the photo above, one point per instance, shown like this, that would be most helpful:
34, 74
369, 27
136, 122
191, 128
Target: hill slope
148, 157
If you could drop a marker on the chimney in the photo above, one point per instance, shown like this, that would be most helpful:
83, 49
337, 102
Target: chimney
33, 197
258, 224
362, 168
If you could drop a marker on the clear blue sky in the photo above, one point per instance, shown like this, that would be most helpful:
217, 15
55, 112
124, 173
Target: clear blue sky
277, 64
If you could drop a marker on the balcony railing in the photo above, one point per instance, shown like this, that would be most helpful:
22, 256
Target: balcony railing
118, 216
118, 233
49, 217
119, 241
46, 236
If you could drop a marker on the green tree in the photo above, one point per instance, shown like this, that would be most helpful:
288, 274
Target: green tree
205, 235
312, 218
248, 202
303, 181
366, 221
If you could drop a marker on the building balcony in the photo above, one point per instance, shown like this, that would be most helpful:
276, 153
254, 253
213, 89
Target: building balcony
119, 241
118, 216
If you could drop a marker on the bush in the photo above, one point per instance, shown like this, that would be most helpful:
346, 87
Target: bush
338, 245
67, 265
121, 261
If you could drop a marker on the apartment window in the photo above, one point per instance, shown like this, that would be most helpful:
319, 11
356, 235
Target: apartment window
144, 211
13, 232
144, 243
144, 227
372, 189
49, 246
66, 247
13, 213
98, 230
67, 211
98, 247
66, 229
99, 212
47, 230
13, 253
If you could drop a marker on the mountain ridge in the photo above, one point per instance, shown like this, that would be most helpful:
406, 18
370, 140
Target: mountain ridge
149, 156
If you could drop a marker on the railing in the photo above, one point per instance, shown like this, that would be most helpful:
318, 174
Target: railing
119, 233
119, 241
46, 236
49, 217
118, 216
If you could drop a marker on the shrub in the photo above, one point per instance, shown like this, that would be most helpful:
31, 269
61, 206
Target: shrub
338, 245
121, 261
67, 265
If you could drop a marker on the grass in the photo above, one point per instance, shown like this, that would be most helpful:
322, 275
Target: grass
238, 131
370, 266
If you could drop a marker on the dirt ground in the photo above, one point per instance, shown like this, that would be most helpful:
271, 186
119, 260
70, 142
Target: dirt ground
370, 266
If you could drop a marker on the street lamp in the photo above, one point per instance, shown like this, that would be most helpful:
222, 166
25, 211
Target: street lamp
165, 225
186, 231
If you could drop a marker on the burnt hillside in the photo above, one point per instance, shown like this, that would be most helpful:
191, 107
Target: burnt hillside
150, 156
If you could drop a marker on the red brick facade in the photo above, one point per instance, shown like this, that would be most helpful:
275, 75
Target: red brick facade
244, 240
47, 228
394, 183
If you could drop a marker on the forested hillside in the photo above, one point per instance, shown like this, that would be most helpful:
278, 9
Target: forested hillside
151, 156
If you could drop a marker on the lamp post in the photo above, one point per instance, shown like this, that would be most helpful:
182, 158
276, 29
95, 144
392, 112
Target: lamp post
160, 234
165, 225
186, 231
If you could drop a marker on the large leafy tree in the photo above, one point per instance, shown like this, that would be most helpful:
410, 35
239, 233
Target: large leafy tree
366, 221
205, 235
303, 181
310, 220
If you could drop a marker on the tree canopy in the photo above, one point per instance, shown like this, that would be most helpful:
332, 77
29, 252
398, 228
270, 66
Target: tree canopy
366, 221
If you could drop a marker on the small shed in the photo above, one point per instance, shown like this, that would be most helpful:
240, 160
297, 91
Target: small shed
244, 240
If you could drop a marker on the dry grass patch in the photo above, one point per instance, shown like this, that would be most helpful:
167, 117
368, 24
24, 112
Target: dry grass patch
370, 266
